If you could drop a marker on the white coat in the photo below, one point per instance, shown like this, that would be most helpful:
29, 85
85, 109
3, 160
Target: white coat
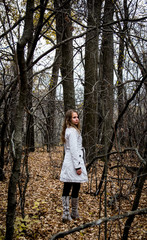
74, 158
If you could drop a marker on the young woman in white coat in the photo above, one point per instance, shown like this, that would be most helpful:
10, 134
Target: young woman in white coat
73, 171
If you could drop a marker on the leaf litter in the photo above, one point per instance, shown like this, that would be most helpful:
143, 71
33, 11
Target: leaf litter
43, 206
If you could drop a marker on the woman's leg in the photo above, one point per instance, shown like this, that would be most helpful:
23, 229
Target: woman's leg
66, 188
65, 201
75, 190
75, 200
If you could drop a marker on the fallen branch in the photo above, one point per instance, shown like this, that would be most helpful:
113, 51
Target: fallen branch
99, 222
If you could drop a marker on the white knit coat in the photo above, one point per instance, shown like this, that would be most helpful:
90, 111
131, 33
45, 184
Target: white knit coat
74, 158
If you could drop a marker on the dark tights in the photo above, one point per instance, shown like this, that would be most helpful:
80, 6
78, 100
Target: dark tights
75, 189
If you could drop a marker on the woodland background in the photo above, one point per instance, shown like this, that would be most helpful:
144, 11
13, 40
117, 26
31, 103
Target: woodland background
88, 55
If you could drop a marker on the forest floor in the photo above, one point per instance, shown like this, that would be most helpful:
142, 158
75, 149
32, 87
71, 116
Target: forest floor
43, 206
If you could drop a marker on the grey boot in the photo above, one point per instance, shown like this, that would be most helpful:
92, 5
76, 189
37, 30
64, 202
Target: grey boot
74, 204
66, 215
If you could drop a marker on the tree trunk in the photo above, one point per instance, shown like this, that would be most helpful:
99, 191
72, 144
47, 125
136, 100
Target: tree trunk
3, 132
142, 179
106, 76
17, 151
120, 87
54, 79
89, 129
18, 124
8, 106
30, 119
67, 58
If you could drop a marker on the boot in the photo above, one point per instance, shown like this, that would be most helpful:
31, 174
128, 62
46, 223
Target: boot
74, 204
66, 215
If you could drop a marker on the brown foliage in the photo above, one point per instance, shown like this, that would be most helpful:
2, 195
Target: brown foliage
43, 206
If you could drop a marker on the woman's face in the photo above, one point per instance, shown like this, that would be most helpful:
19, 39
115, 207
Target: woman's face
75, 118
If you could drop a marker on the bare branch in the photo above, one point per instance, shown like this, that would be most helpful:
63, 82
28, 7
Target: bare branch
11, 28
115, 152
99, 222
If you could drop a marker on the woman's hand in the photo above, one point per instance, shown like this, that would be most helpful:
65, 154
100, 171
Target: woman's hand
79, 171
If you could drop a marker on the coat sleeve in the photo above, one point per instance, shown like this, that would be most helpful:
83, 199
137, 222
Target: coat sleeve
73, 144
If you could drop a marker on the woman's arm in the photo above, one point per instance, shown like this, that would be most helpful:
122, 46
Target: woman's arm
73, 145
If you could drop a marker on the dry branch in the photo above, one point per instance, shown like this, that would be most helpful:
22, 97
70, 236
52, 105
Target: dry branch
115, 152
99, 222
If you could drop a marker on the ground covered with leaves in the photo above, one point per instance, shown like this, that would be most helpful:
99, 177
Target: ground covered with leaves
43, 206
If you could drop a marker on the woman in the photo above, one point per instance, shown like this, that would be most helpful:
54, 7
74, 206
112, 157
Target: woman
73, 169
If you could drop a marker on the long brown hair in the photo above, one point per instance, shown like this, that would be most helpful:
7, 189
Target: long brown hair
68, 123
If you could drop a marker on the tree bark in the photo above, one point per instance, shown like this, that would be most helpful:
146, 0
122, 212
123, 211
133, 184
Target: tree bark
52, 102
89, 129
120, 87
142, 179
67, 57
18, 124
2, 145
30, 119
54, 79
106, 76
17, 149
